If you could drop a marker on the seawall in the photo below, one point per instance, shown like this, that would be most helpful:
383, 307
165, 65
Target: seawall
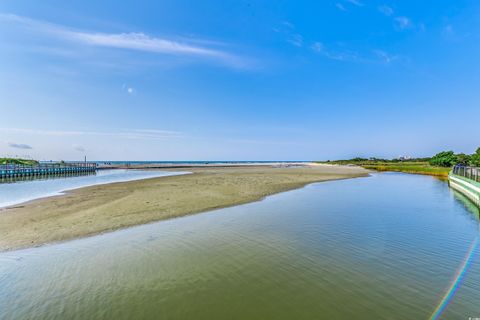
469, 188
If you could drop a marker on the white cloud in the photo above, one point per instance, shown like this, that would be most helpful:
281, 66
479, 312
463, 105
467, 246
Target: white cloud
385, 57
340, 6
130, 41
156, 131
376, 56
149, 134
448, 30
386, 10
20, 146
296, 40
343, 55
355, 2
403, 22
142, 42
343, 5
288, 24
287, 29
318, 47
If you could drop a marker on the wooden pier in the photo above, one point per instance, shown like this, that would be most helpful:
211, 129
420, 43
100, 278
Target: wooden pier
11, 171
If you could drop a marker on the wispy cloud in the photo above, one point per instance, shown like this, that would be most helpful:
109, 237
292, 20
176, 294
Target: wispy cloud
448, 31
400, 22
452, 33
288, 24
344, 55
386, 10
343, 5
385, 57
403, 22
340, 6
375, 56
296, 40
20, 146
123, 133
130, 41
355, 3
287, 30
159, 132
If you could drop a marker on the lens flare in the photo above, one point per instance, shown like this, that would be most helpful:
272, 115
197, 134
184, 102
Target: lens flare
457, 281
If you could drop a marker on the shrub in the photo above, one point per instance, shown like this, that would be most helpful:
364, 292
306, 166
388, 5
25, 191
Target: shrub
444, 159
475, 158
463, 159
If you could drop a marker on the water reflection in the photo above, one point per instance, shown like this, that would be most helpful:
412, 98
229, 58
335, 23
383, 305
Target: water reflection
468, 204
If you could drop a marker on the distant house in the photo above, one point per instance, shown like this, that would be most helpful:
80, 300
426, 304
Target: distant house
404, 158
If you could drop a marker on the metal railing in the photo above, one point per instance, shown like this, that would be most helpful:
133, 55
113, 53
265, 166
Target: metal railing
472, 173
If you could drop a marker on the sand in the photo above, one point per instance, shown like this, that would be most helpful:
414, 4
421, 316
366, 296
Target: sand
104, 208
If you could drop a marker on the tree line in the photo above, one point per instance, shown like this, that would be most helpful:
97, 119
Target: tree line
442, 159
449, 158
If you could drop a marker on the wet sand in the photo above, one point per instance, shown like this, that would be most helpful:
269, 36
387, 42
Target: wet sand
104, 208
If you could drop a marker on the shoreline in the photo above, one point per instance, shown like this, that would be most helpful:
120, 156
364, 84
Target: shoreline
104, 208
62, 191
193, 165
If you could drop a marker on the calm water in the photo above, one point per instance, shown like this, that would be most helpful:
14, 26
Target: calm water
21, 191
382, 247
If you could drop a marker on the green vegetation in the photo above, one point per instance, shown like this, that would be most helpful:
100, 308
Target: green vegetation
411, 167
449, 159
443, 159
375, 161
438, 165
18, 161
475, 158
463, 159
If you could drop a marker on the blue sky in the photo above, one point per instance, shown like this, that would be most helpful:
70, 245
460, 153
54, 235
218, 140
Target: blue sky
238, 80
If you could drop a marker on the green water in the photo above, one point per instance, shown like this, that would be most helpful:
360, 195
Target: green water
382, 247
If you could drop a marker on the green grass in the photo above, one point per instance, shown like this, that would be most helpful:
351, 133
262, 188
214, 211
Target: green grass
417, 167
18, 161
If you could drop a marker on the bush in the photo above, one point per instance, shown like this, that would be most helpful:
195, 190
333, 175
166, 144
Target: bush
444, 159
463, 159
475, 158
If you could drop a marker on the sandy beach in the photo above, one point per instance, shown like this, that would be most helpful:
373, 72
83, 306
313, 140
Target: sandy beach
103, 208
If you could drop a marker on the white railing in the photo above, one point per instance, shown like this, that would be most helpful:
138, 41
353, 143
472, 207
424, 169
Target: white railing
472, 173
